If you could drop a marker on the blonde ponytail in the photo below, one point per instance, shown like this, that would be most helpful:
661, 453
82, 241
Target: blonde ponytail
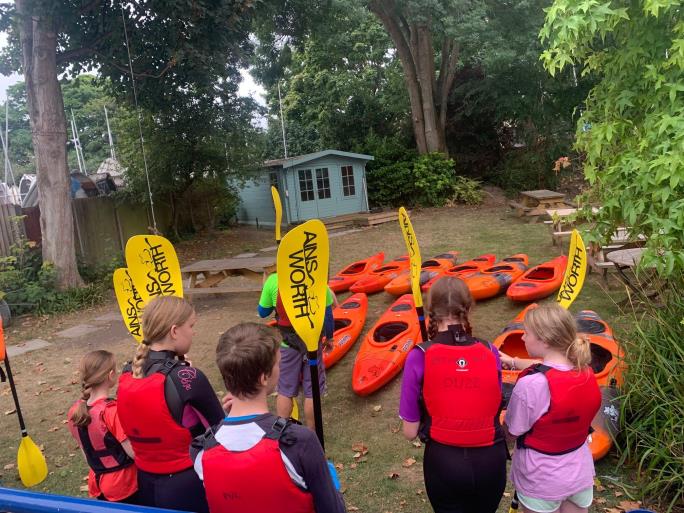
94, 369
579, 352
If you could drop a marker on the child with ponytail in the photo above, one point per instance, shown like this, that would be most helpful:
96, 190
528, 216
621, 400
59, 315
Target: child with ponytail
550, 414
94, 423
163, 403
451, 397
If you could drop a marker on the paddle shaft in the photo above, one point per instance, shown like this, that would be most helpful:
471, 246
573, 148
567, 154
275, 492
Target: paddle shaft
421, 321
316, 395
10, 378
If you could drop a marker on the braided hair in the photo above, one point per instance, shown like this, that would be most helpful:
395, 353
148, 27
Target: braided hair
449, 298
159, 316
94, 369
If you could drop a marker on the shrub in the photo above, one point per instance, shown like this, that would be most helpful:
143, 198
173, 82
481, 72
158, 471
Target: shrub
29, 284
653, 401
426, 180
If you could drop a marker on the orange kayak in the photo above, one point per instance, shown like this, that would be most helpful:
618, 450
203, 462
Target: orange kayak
494, 280
606, 361
429, 270
350, 317
464, 269
350, 274
539, 281
375, 280
384, 350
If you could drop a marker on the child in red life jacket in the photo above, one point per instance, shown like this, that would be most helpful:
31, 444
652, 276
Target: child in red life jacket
451, 396
94, 423
163, 403
253, 461
550, 413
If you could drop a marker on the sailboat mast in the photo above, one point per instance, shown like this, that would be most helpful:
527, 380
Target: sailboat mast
109, 134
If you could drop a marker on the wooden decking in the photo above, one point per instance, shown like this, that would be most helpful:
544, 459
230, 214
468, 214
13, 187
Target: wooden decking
360, 219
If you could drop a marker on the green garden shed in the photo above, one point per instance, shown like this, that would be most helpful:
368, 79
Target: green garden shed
318, 185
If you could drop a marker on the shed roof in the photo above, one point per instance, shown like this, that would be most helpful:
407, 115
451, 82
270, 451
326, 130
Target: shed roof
302, 159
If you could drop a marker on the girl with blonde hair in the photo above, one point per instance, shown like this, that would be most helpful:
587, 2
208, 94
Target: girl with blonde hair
163, 403
451, 397
94, 422
550, 414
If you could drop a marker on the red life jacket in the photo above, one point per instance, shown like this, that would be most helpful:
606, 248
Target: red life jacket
462, 393
281, 315
161, 446
103, 452
234, 480
575, 399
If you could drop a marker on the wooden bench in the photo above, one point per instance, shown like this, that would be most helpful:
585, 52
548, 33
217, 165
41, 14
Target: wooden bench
519, 209
225, 289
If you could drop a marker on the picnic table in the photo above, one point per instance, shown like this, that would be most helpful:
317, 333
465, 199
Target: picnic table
562, 223
222, 276
535, 203
627, 260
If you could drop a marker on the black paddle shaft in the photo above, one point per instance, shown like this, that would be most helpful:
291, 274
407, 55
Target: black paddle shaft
421, 321
316, 395
10, 378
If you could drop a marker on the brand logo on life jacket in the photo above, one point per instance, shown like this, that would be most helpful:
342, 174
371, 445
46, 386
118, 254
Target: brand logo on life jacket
461, 362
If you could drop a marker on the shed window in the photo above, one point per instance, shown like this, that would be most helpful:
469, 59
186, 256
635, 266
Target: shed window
306, 185
273, 179
323, 183
348, 187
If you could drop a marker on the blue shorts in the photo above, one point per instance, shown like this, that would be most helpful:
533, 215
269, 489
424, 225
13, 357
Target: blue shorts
294, 370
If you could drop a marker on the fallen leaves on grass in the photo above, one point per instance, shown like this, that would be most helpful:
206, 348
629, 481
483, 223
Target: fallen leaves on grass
377, 407
359, 449
408, 462
417, 444
352, 508
53, 428
9, 466
83, 488
392, 475
628, 505
10, 412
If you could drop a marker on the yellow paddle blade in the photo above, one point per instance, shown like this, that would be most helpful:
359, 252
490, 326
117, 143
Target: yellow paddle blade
414, 255
574, 272
302, 264
278, 211
295, 409
153, 265
130, 302
31, 463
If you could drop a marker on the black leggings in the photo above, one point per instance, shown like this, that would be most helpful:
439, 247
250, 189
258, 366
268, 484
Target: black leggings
464, 480
183, 491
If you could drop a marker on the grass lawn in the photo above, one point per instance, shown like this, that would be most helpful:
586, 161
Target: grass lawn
386, 479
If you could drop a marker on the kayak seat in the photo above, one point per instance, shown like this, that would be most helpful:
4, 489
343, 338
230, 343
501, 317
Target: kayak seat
514, 345
351, 305
590, 326
404, 307
524, 284
499, 268
385, 269
445, 256
540, 273
354, 268
461, 268
341, 323
600, 357
386, 332
516, 259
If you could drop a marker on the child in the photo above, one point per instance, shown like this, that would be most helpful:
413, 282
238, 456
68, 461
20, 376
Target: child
550, 413
451, 394
294, 364
163, 403
253, 461
94, 423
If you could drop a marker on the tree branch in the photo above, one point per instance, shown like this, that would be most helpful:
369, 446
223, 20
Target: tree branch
84, 51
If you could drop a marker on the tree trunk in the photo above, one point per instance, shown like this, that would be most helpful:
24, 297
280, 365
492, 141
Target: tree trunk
427, 95
38, 37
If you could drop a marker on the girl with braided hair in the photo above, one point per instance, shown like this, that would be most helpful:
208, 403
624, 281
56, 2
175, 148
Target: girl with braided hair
94, 422
164, 403
451, 397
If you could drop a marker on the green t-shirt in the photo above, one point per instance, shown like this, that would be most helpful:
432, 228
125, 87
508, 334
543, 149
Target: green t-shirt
269, 294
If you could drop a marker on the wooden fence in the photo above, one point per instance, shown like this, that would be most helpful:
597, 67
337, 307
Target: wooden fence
11, 227
101, 226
